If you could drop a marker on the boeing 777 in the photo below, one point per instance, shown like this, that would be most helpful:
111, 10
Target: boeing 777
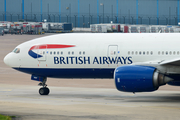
139, 62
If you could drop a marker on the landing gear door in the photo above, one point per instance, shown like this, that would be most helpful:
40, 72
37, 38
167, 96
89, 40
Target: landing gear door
112, 53
42, 52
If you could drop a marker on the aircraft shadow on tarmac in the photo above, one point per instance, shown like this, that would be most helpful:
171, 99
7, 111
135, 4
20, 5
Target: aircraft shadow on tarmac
143, 97
173, 98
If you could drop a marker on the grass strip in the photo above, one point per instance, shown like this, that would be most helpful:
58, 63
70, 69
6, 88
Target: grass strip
3, 117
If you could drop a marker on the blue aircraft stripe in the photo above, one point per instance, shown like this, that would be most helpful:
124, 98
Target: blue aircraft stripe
34, 55
70, 72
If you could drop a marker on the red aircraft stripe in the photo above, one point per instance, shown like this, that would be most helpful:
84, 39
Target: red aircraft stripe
50, 46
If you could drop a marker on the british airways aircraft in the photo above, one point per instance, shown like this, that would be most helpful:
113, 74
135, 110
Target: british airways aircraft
139, 62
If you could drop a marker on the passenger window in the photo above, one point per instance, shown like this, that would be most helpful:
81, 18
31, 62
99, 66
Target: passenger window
170, 52
140, 53
80, 53
61, 53
144, 53
72, 53
178, 52
114, 52
151, 52
159, 53
136, 52
166, 53
147, 52
162, 53
51, 53
132, 52
174, 52
58, 52
128, 52
69, 53
83, 52
43, 52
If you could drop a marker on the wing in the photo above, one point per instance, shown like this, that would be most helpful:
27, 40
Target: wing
171, 66
175, 62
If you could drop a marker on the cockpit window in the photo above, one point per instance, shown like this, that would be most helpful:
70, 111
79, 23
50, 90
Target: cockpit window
16, 50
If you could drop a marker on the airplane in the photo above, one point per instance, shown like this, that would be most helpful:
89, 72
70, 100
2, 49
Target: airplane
138, 62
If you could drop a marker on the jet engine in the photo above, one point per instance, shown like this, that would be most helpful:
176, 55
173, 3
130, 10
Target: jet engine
135, 78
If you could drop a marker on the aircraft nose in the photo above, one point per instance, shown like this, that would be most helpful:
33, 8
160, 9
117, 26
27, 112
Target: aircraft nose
7, 59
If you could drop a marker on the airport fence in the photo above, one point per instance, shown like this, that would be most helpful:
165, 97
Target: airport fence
84, 20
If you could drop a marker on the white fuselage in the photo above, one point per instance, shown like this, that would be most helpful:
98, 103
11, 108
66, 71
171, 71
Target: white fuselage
93, 52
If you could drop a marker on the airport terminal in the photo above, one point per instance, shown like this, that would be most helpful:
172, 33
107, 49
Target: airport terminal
89, 60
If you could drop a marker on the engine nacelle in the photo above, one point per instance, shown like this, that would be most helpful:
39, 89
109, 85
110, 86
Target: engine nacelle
136, 78
174, 83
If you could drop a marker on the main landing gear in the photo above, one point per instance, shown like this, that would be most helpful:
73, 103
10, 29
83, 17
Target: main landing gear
44, 90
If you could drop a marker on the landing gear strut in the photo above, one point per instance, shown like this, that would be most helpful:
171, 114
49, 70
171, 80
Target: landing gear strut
44, 90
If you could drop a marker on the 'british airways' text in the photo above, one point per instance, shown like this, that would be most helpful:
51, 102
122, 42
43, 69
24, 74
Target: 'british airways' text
94, 60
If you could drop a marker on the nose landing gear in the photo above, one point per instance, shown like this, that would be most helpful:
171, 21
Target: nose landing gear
44, 90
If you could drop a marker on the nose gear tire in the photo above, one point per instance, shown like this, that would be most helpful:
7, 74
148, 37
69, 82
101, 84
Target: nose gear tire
44, 91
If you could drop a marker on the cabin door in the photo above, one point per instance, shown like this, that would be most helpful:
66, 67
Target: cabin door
112, 54
42, 53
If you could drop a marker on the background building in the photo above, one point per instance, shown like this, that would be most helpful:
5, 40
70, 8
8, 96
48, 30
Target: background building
82, 13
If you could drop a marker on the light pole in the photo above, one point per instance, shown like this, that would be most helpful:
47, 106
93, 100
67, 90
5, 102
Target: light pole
67, 17
99, 18
35, 18
112, 12
59, 16
18, 16
91, 19
107, 19
124, 18
75, 20
175, 20
49, 17
103, 11
70, 12
54, 17
132, 19
48, 8
129, 16
149, 20
89, 12
141, 19
11, 17
166, 20
169, 15
119, 15
157, 20
69, 8
26, 16
31, 11
116, 18
83, 20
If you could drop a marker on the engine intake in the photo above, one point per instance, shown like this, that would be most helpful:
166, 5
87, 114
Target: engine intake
136, 78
